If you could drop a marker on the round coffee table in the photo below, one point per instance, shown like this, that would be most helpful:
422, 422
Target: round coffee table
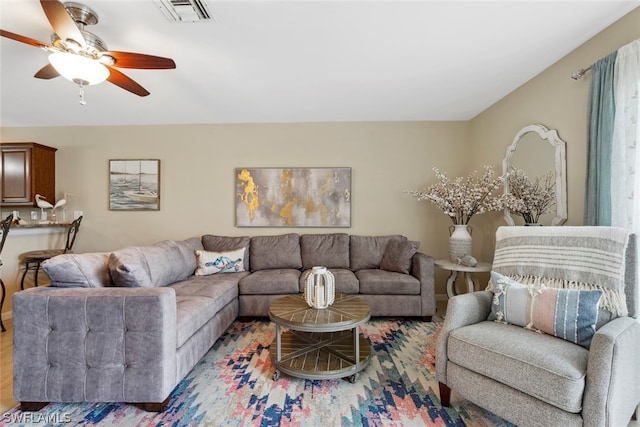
319, 343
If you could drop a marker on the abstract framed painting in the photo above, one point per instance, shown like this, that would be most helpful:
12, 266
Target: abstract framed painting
134, 185
293, 197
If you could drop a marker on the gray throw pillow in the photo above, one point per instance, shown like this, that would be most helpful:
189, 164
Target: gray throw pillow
150, 266
398, 255
367, 251
90, 270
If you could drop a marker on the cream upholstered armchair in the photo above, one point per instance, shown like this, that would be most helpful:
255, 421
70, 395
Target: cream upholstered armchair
580, 286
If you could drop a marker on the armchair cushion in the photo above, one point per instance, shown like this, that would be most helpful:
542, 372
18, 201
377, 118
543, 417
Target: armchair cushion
569, 314
539, 365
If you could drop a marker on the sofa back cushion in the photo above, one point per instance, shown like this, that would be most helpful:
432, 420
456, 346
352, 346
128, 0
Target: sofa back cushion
328, 250
159, 265
271, 252
212, 243
90, 270
188, 250
367, 251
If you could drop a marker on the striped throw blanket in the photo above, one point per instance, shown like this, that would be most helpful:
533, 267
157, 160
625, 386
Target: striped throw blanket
568, 258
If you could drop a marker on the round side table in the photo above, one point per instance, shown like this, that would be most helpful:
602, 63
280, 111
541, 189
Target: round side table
472, 282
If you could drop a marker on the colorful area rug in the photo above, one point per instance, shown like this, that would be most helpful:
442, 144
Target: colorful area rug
233, 386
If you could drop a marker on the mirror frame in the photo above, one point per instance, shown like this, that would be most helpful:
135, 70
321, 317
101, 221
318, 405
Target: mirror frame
560, 147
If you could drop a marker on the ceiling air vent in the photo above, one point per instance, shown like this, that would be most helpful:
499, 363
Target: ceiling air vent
184, 10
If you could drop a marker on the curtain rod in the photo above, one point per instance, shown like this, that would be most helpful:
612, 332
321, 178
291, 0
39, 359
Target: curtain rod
578, 74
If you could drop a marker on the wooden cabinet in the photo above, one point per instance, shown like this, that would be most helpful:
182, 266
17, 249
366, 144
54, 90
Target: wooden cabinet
26, 169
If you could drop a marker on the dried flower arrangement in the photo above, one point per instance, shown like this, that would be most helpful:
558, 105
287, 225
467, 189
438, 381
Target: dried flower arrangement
462, 198
530, 199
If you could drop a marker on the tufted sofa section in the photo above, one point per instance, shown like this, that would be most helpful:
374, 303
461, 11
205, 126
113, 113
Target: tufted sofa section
72, 348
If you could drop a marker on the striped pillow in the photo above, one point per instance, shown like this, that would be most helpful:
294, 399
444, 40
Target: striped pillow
569, 314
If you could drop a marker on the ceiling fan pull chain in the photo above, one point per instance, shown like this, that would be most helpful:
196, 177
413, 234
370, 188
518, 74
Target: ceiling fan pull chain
81, 101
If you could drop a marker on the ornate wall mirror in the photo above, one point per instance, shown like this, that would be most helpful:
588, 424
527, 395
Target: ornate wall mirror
538, 153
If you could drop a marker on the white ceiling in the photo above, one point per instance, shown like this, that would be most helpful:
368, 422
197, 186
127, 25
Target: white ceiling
301, 61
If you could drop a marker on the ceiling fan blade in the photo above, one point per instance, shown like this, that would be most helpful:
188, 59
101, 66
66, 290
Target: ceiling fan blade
23, 39
140, 61
126, 83
47, 72
61, 22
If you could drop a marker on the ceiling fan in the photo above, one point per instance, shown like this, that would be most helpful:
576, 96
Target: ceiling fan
81, 56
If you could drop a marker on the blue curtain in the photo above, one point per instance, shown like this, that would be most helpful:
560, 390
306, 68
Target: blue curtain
600, 116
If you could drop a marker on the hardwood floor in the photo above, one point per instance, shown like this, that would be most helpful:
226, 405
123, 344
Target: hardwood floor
6, 369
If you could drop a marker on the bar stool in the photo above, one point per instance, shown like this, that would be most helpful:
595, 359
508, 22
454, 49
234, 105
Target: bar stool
33, 259
5, 225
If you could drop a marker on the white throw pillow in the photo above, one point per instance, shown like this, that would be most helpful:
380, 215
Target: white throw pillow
219, 262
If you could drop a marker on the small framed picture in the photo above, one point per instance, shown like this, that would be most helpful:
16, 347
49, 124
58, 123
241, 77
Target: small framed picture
134, 185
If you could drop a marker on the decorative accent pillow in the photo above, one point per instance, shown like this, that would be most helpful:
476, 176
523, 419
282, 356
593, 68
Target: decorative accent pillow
214, 243
220, 262
569, 314
398, 255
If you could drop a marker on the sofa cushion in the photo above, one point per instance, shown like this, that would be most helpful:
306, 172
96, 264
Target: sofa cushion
570, 314
270, 282
513, 356
153, 266
187, 249
328, 250
381, 282
275, 252
398, 255
367, 251
198, 300
90, 270
220, 262
346, 281
214, 243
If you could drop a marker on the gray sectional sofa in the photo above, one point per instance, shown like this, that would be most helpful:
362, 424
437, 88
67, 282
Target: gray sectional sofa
127, 326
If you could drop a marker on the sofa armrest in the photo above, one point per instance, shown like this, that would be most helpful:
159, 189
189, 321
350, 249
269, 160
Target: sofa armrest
613, 374
94, 344
422, 268
462, 310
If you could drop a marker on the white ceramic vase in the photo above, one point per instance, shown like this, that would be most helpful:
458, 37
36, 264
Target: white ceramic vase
460, 242
319, 287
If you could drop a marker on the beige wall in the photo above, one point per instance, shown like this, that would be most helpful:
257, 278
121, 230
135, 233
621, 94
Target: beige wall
557, 101
197, 177
198, 162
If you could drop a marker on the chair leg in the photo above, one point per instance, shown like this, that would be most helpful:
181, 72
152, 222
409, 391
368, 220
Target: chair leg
445, 394
4, 291
37, 271
24, 274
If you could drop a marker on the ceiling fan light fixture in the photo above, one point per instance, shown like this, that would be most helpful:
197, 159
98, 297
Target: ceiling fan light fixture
79, 69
